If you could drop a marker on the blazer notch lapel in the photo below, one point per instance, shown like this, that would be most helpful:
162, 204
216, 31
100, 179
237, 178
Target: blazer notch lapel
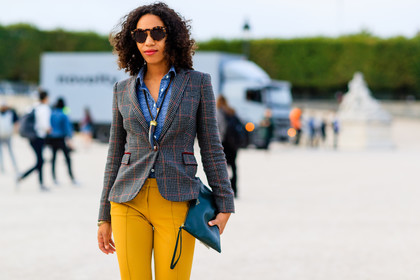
178, 88
135, 102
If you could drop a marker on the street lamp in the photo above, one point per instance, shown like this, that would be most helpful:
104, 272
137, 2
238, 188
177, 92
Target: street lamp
246, 38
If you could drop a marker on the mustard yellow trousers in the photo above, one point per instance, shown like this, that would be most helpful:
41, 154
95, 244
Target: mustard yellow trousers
151, 223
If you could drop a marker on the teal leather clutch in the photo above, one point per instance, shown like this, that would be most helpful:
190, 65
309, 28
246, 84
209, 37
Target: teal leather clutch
201, 211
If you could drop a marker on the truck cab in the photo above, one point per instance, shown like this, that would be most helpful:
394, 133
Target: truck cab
251, 92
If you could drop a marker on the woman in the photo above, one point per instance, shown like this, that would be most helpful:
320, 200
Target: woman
61, 131
150, 171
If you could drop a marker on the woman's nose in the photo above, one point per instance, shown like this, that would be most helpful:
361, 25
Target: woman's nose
149, 39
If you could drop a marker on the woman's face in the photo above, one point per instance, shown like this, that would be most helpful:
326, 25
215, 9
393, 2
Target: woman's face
152, 50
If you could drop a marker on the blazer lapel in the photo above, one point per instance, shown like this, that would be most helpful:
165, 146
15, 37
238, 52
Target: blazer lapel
135, 102
178, 87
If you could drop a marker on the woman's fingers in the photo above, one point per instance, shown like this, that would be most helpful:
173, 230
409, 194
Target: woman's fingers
220, 221
101, 243
108, 247
105, 242
217, 223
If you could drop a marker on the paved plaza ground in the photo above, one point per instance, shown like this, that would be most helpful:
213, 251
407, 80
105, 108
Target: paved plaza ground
302, 214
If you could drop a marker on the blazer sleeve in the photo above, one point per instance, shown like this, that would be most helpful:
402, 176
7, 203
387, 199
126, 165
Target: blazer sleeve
117, 142
211, 149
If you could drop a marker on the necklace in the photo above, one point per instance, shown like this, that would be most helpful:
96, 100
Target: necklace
153, 122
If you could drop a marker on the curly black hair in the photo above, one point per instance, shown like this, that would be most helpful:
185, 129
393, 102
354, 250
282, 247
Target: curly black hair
179, 47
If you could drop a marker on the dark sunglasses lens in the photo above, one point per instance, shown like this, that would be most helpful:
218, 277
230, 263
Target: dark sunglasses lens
140, 36
157, 34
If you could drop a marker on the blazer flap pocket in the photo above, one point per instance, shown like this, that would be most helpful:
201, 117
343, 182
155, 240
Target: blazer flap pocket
126, 159
189, 159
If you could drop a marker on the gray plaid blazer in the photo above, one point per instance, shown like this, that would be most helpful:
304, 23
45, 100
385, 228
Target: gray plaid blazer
191, 112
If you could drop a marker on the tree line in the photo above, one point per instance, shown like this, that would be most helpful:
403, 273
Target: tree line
22, 45
317, 67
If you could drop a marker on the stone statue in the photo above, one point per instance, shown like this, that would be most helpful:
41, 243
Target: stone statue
365, 124
359, 105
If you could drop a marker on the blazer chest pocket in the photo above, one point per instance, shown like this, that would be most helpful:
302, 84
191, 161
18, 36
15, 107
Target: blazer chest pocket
189, 159
126, 159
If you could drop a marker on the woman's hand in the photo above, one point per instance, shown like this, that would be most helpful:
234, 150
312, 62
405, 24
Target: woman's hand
105, 242
220, 221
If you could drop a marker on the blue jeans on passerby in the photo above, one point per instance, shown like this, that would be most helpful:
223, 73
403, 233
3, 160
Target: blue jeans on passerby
37, 145
7, 142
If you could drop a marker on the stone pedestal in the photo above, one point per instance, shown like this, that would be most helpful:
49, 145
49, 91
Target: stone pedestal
365, 135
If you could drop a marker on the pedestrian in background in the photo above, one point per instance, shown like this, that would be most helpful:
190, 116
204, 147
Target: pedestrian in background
336, 129
8, 123
225, 119
42, 128
312, 131
267, 128
149, 178
61, 133
295, 117
323, 130
86, 127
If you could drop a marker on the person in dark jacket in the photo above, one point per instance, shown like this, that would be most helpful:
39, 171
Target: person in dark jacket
224, 113
61, 132
267, 128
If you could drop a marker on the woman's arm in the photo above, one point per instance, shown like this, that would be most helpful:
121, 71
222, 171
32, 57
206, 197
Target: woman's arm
117, 141
211, 149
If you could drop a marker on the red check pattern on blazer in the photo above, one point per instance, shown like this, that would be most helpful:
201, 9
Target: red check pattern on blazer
191, 113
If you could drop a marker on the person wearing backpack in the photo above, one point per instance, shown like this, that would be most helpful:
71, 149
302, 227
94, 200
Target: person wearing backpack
42, 126
230, 136
8, 121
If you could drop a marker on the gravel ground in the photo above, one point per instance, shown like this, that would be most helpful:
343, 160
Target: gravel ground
301, 214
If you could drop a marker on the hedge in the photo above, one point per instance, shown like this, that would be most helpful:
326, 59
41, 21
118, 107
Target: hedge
316, 67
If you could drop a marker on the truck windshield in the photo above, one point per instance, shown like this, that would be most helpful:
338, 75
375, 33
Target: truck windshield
279, 95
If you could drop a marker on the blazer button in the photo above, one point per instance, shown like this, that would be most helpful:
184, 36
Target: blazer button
155, 148
153, 170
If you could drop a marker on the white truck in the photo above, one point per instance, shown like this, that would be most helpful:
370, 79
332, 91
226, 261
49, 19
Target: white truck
85, 80
249, 90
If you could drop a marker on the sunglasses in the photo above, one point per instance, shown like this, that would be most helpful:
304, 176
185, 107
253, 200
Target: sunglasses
157, 33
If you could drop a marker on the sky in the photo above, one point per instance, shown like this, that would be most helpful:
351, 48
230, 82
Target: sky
226, 18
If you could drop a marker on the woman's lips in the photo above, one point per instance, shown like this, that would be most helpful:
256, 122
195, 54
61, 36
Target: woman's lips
150, 52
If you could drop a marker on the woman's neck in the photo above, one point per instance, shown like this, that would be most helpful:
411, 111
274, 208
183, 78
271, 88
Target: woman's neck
156, 71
